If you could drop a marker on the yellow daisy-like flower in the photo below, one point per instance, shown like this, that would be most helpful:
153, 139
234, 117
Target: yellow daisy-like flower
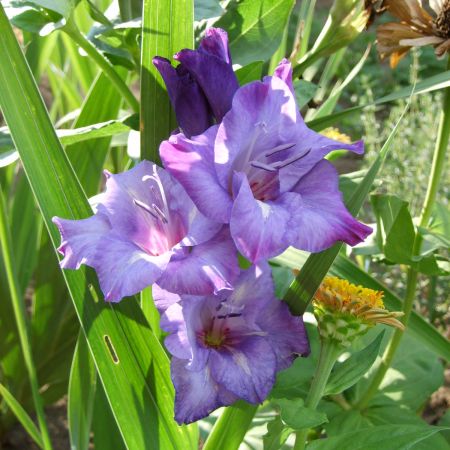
345, 311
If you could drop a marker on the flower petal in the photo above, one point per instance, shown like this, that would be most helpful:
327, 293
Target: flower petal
190, 161
247, 369
197, 394
79, 239
263, 116
187, 98
258, 228
177, 342
215, 77
215, 42
322, 220
284, 71
204, 269
123, 269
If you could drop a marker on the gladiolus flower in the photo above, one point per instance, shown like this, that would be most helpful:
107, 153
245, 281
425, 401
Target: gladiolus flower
147, 229
228, 346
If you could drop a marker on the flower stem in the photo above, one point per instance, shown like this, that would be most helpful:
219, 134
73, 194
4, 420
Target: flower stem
437, 169
20, 316
231, 426
329, 353
108, 69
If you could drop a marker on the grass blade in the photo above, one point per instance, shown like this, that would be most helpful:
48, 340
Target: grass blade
81, 396
167, 27
22, 416
130, 361
20, 317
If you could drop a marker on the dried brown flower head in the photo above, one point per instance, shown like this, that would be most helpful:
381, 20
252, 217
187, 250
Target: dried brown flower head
374, 8
417, 28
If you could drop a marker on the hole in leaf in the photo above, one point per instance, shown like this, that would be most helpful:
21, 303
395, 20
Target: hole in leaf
112, 350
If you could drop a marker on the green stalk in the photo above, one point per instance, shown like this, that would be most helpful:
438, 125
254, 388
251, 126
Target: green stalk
20, 316
329, 353
107, 68
437, 169
236, 418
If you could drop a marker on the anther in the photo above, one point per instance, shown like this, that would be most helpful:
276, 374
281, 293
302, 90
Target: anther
279, 148
146, 208
286, 162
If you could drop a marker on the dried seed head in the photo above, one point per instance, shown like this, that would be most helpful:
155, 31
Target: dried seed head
442, 21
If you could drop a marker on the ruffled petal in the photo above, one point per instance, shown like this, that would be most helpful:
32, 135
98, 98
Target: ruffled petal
177, 342
123, 269
285, 333
259, 229
204, 269
79, 239
215, 76
322, 220
163, 299
191, 107
263, 116
197, 394
190, 161
247, 370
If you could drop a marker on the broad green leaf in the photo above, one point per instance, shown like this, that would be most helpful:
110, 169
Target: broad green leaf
347, 373
389, 413
434, 83
317, 265
304, 92
167, 27
250, 72
131, 363
81, 396
63, 7
297, 416
21, 415
254, 28
277, 434
206, 9
387, 437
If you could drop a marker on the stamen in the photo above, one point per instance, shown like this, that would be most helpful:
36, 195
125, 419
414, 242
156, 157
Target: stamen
231, 315
286, 162
162, 194
160, 213
261, 165
279, 148
146, 208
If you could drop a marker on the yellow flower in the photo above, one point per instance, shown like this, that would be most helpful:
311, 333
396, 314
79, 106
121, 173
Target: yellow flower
334, 133
345, 311
417, 27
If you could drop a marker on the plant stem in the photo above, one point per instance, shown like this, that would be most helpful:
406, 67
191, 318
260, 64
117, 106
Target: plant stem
103, 63
20, 316
437, 169
231, 427
329, 353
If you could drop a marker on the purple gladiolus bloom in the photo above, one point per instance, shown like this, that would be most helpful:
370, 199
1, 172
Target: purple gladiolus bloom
229, 346
202, 86
262, 171
147, 229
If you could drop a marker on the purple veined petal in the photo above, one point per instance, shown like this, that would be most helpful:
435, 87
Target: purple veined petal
317, 147
259, 229
263, 116
253, 289
177, 343
123, 269
286, 333
188, 100
190, 161
215, 77
79, 239
204, 269
163, 299
323, 220
247, 370
284, 72
215, 42
197, 395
